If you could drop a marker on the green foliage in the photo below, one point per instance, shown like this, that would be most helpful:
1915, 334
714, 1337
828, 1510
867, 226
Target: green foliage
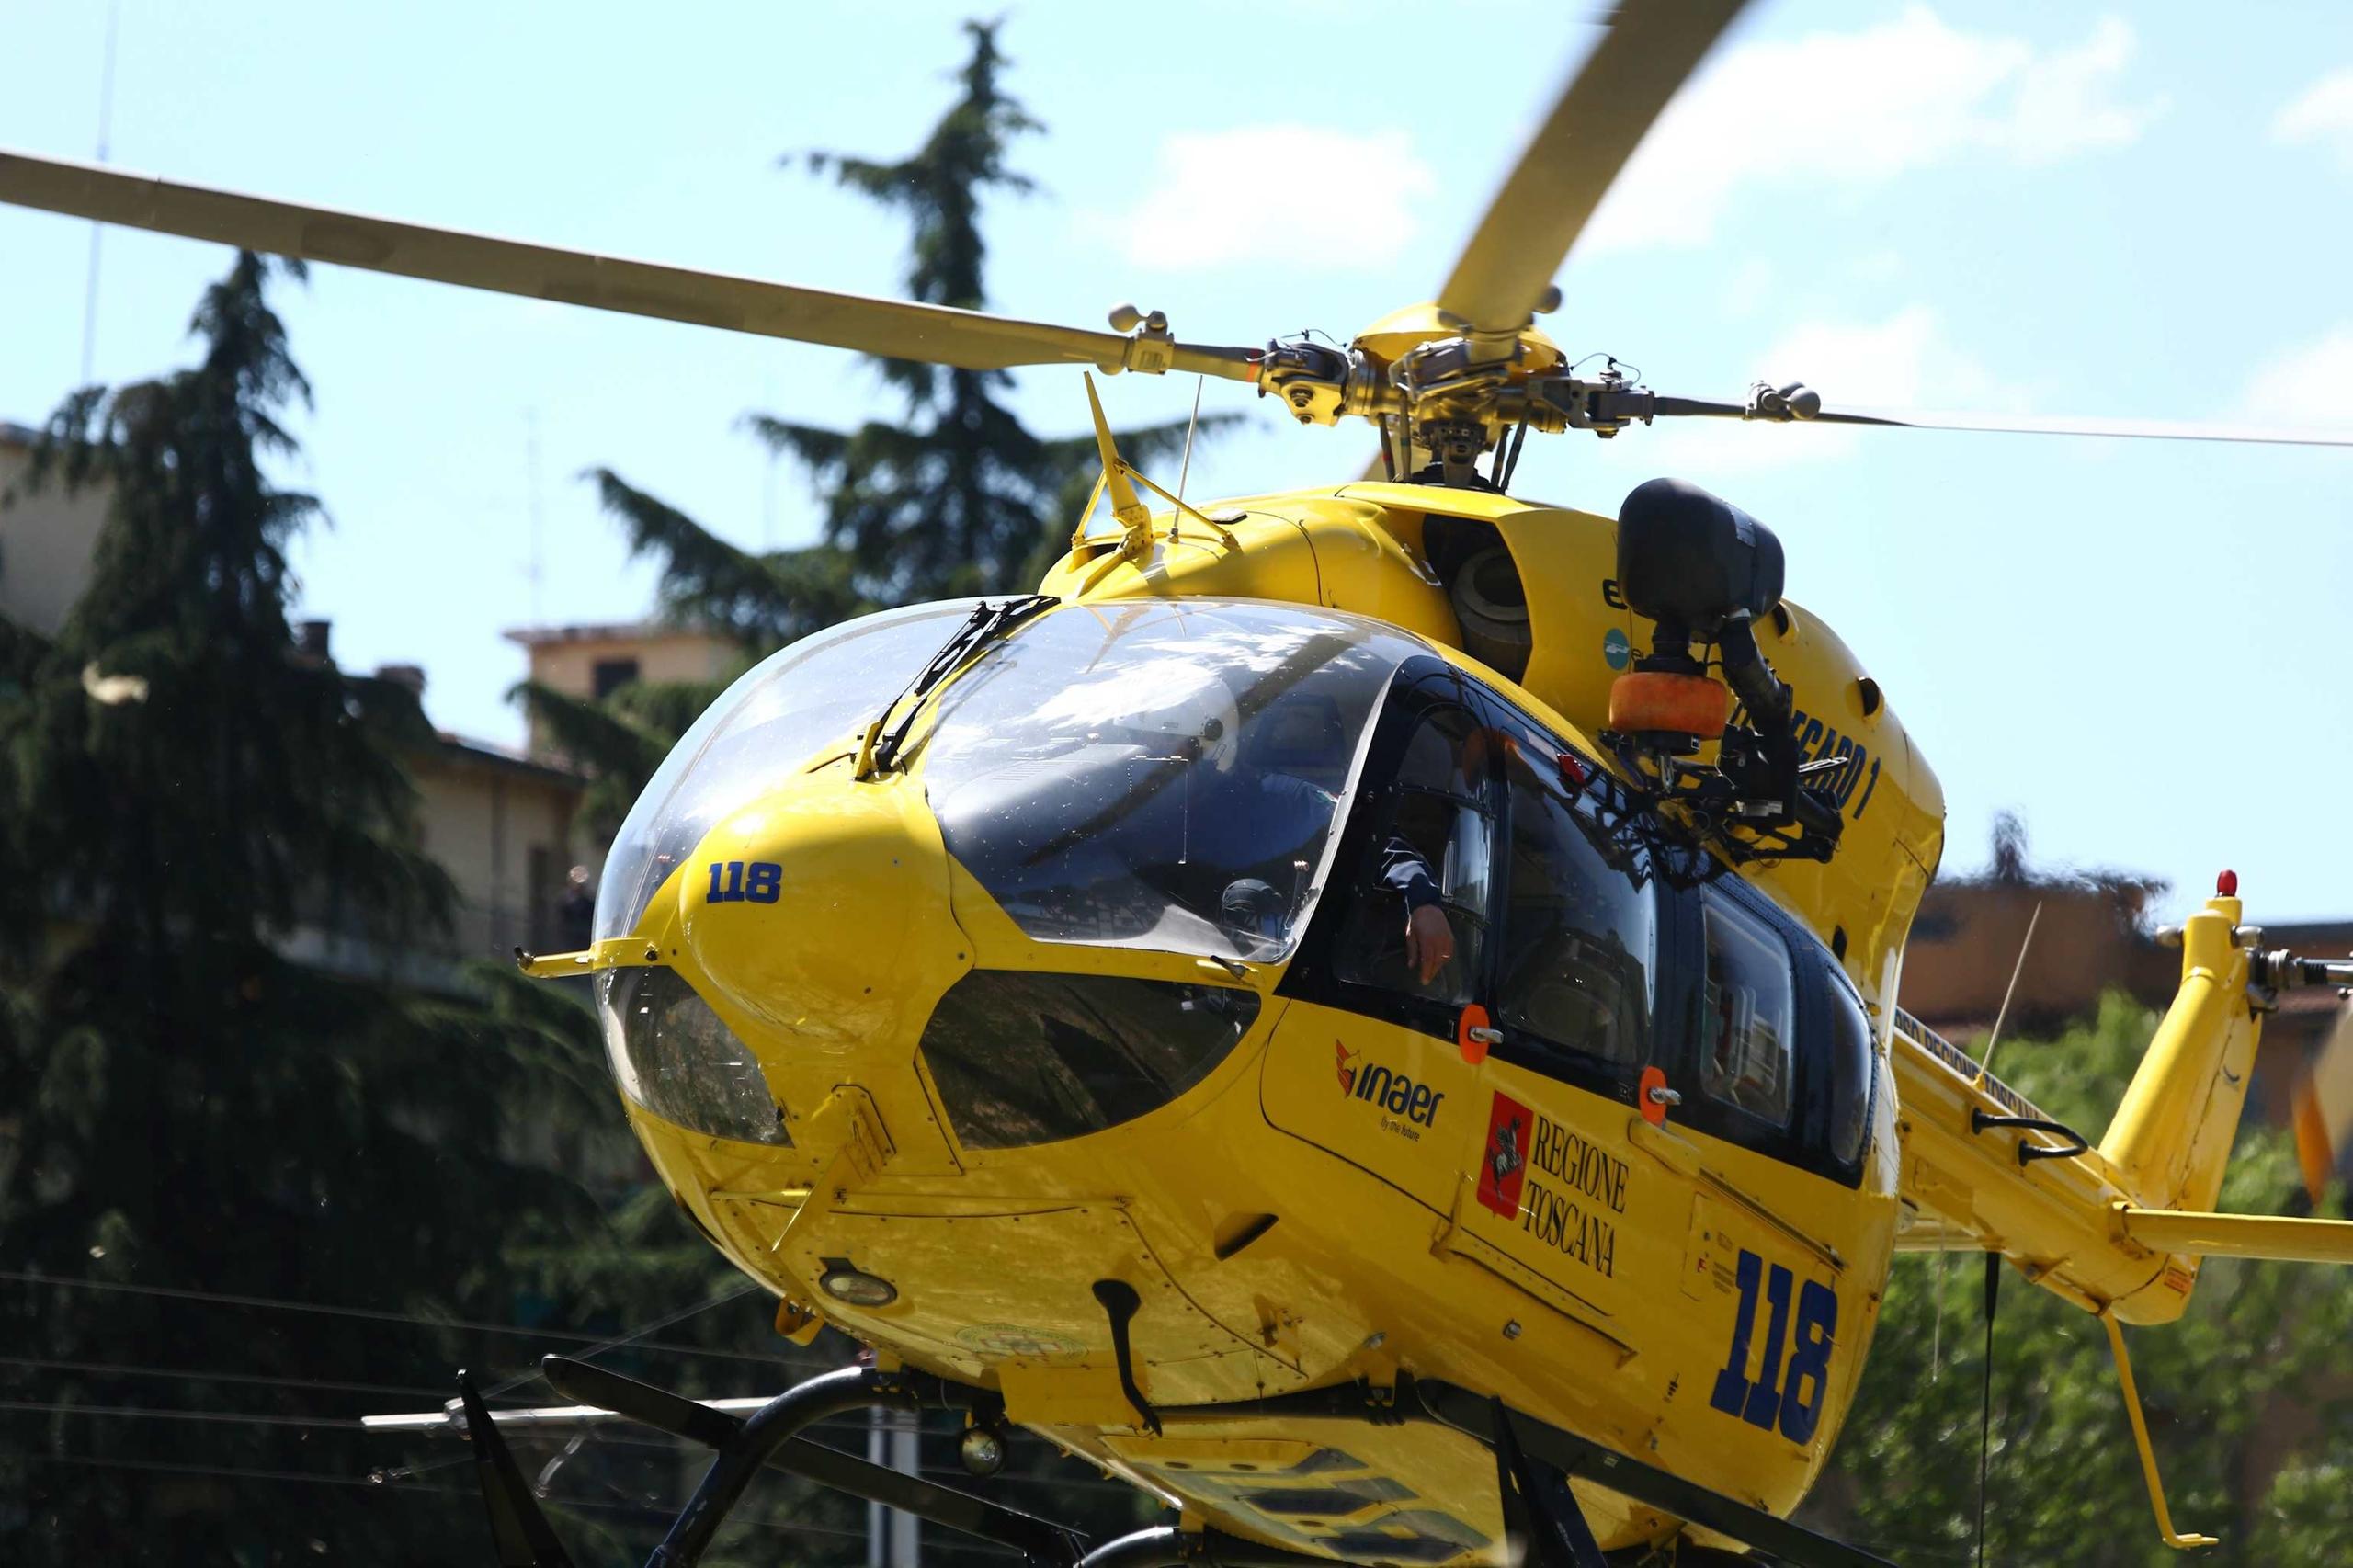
620, 741
961, 499
187, 805
191, 1106
939, 189
187, 598
2249, 1396
763, 601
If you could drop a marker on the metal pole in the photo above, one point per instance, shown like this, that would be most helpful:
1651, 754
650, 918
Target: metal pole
893, 1539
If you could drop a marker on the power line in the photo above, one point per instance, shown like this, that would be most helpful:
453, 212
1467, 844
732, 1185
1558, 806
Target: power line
844, 1423
733, 1293
198, 1374
370, 1314
321, 1478
405, 1489
151, 1412
205, 1375
242, 1418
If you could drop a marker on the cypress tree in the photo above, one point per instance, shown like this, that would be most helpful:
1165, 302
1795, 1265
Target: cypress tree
185, 1107
961, 498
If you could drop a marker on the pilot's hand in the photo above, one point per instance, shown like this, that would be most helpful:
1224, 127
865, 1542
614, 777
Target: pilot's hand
1429, 941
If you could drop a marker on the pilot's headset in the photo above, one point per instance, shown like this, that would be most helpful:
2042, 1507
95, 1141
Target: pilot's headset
1190, 712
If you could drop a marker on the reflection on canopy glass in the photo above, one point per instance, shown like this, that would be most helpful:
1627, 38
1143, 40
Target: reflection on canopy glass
1746, 1035
1159, 774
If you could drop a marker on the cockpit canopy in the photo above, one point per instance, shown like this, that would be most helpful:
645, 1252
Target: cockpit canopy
1162, 774
777, 717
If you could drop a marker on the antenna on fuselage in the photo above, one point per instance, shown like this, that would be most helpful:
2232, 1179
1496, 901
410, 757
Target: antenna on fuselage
1986, 1063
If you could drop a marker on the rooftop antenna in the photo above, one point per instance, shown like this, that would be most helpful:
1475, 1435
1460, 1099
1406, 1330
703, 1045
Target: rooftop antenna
532, 572
106, 133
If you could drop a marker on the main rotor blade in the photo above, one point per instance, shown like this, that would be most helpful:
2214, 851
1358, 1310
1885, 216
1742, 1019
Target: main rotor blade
1651, 46
969, 340
2018, 424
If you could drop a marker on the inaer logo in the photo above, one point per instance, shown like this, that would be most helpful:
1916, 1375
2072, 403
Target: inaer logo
1505, 1164
1390, 1090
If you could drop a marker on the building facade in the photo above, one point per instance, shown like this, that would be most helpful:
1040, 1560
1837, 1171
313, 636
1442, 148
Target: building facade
46, 537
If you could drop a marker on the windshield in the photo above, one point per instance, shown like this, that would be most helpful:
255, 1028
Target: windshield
821, 691
1159, 774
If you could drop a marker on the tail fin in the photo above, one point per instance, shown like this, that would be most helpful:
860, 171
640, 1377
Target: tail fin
2171, 1137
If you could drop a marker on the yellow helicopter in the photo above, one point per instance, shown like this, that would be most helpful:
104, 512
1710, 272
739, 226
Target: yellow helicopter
1370, 1012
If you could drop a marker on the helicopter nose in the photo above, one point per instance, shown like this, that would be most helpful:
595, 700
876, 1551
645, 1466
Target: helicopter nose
823, 910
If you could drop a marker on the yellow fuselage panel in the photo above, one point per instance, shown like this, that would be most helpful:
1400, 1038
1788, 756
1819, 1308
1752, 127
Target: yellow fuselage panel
1602, 1295
1599, 1286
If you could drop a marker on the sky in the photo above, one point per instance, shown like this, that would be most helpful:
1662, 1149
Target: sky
2139, 647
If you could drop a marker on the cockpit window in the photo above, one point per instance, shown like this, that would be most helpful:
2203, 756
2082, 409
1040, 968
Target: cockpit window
1157, 774
1432, 842
777, 717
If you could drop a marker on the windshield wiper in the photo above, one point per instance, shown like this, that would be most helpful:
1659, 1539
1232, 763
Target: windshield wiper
878, 753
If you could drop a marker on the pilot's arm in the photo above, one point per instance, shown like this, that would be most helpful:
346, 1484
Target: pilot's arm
1430, 939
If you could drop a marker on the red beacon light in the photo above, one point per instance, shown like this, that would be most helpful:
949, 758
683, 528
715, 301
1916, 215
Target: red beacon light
2227, 885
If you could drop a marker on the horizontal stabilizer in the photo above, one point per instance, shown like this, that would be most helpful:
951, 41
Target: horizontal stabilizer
2269, 1236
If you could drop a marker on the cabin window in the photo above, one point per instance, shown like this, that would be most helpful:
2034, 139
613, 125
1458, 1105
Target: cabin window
1433, 829
1850, 1075
1746, 1023
1579, 930
1161, 775
609, 676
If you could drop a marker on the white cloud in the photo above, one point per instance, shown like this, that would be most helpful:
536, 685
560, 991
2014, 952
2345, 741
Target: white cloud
1884, 265
1903, 361
2324, 114
1750, 287
1217, 194
1858, 109
2311, 386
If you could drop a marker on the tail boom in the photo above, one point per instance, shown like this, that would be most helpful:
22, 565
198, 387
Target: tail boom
2119, 1229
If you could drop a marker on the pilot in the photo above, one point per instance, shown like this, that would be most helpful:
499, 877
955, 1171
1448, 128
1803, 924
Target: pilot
1430, 935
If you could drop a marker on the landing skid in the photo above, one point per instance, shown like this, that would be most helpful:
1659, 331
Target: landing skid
1542, 1458
1533, 1464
